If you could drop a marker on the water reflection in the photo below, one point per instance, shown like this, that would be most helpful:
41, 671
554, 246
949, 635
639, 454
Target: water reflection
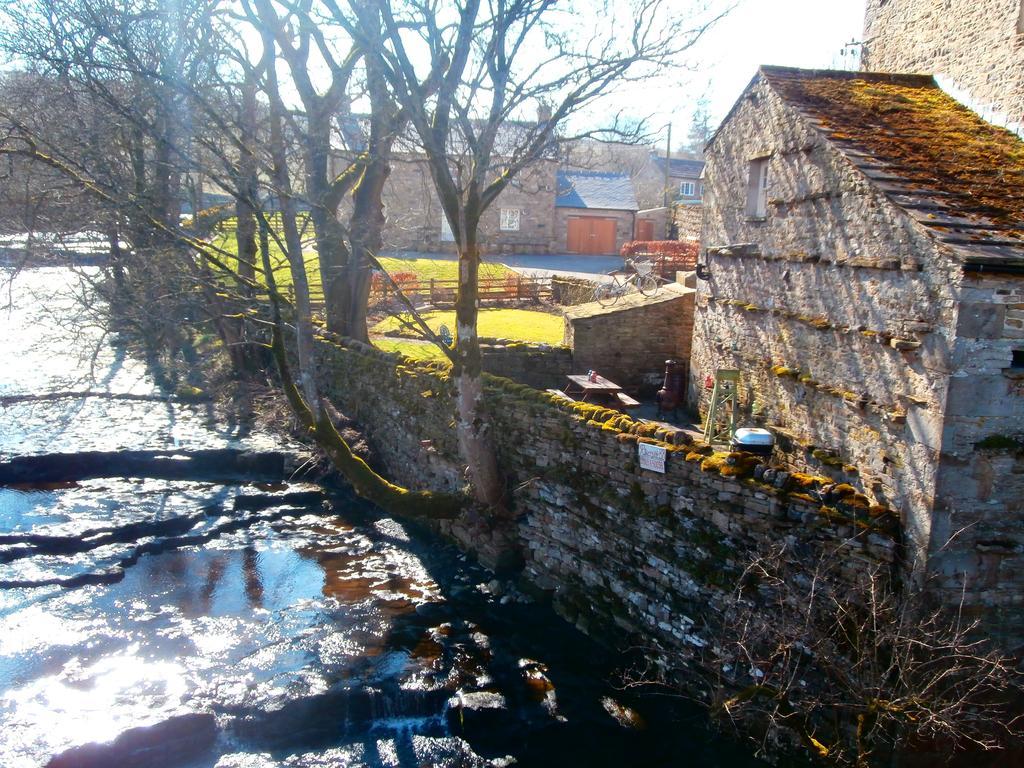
318, 635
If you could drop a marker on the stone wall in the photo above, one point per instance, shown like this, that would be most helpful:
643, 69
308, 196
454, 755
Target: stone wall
980, 491
976, 45
836, 307
537, 365
569, 291
622, 550
864, 344
624, 225
688, 220
634, 337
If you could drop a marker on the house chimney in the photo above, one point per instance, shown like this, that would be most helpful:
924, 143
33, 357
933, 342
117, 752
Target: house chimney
543, 112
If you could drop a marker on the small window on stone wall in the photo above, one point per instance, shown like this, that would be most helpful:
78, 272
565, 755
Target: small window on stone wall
509, 220
757, 189
1020, 18
1018, 359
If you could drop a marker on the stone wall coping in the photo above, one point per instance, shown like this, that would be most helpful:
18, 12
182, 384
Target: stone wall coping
669, 292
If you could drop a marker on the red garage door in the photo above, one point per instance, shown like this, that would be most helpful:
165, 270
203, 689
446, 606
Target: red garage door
590, 234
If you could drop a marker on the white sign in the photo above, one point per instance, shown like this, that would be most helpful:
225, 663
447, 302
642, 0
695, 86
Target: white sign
652, 457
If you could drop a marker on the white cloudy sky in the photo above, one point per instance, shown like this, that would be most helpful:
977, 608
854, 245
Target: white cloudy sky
798, 33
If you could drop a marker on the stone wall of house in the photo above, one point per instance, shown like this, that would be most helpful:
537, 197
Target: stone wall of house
977, 45
624, 225
413, 212
631, 340
836, 307
688, 220
864, 344
622, 550
980, 493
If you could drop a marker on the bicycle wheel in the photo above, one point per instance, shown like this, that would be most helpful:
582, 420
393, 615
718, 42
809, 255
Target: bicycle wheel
605, 294
647, 285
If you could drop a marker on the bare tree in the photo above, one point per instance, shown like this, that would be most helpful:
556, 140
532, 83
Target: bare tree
854, 676
465, 74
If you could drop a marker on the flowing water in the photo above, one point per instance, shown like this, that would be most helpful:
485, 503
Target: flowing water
257, 624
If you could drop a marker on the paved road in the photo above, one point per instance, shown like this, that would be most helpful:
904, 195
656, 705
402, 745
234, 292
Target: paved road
536, 263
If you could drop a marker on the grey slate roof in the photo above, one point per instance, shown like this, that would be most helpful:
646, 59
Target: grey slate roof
595, 189
678, 166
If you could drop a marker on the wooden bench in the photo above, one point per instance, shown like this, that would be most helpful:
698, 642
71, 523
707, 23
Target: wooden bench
626, 401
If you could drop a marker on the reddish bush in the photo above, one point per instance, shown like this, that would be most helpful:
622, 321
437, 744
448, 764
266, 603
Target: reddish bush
407, 281
676, 250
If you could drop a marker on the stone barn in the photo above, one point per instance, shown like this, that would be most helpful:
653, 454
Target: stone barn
864, 249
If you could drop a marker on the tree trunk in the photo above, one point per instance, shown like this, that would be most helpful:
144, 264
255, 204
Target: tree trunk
472, 427
390, 497
367, 227
293, 251
333, 256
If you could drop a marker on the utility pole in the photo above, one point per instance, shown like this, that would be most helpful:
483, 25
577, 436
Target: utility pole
668, 160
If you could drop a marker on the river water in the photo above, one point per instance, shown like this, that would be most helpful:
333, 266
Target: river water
254, 624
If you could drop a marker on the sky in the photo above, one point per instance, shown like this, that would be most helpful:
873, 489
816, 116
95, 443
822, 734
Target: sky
796, 33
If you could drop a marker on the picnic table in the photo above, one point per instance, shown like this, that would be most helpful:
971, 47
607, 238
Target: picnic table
580, 384
601, 388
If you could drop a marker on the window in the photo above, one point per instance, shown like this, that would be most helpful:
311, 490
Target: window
509, 220
757, 189
686, 188
1020, 19
447, 236
1017, 363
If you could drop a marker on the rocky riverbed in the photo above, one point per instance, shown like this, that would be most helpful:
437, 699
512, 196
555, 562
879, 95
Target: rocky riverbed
173, 594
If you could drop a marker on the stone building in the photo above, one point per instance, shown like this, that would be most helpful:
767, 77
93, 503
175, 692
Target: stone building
544, 209
522, 220
975, 47
864, 239
685, 178
594, 211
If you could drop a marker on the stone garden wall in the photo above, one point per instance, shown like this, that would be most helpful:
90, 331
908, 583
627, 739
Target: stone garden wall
622, 551
688, 220
631, 340
538, 365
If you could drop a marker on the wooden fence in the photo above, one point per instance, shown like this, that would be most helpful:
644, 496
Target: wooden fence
441, 293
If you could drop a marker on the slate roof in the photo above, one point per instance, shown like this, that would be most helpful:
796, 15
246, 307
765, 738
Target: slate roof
595, 189
951, 171
691, 169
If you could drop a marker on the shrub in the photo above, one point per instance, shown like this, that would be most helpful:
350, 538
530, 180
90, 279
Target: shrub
676, 250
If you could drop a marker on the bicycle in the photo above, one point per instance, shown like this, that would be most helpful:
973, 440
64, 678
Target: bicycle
642, 278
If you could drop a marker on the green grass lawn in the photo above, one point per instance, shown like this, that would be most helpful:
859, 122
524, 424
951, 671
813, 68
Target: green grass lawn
427, 269
515, 324
424, 269
414, 349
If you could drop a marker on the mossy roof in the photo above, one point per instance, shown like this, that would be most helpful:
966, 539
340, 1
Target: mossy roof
958, 175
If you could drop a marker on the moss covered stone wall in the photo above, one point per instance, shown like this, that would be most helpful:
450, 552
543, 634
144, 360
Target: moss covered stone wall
620, 549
